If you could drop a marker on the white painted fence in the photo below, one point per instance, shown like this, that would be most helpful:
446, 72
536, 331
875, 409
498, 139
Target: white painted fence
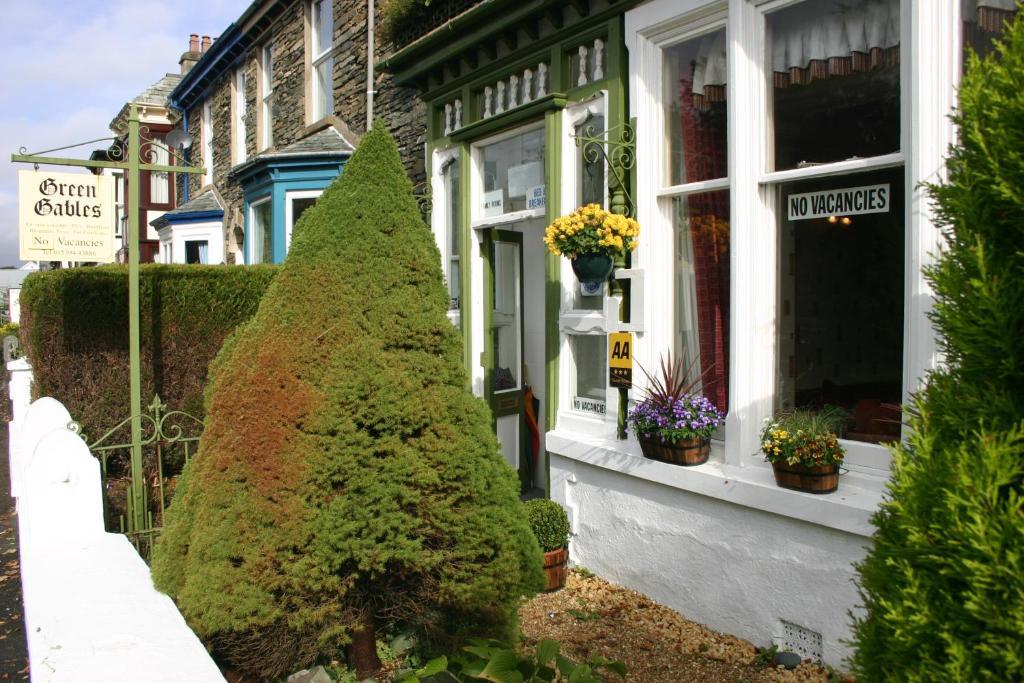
91, 612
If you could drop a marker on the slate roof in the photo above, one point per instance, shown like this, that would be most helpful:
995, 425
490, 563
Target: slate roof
207, 201
155, 95
326, 142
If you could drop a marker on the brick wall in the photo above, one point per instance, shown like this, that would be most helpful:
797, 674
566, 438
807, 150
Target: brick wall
401, 110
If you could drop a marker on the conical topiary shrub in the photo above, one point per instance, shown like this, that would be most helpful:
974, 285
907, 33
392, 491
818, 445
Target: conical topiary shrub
346, 478
944, 582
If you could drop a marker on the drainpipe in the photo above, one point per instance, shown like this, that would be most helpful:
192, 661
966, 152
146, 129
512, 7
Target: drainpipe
185, 152
369, 64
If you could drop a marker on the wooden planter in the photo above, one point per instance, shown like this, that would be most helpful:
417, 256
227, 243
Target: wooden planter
821, 479
556, 567
686, 453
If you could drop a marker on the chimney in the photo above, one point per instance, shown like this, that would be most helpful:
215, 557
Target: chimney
189, 59
206, 43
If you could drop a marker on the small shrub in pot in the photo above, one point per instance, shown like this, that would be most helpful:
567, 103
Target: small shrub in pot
550, 525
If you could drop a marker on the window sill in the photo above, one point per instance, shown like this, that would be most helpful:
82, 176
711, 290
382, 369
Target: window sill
849, 509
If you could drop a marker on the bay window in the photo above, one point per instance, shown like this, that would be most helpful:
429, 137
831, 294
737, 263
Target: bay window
787, 210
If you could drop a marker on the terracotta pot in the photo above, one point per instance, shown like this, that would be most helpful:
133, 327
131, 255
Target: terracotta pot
686, 452
556, 567
592, 267
820, 479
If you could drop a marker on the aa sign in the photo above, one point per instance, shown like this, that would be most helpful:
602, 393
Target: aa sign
66, 216
620, 359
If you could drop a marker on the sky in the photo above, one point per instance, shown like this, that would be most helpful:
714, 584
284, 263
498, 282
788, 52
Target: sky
70, 65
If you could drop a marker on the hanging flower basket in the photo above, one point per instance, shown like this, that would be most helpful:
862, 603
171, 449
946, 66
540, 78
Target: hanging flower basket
591, 238
592, 267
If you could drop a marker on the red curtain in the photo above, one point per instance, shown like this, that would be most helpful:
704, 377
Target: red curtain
705, 157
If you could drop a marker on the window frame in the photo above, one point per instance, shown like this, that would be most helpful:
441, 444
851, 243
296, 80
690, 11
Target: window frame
250, 246
207, 134
441, 209
929, 70
239, 129
266, 96
320, 55
289, 223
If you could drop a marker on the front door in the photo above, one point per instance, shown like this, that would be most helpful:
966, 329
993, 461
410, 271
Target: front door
514, 352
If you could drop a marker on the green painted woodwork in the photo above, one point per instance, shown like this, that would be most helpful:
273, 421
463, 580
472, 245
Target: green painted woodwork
479, 26
516, 117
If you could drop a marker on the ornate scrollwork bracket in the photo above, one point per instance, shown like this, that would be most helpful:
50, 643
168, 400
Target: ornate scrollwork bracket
617, 146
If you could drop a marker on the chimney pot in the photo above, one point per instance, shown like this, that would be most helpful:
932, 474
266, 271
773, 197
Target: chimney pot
206, 43
193, 42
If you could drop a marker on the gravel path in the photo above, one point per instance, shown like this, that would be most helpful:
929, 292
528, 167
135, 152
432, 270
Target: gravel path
593, 617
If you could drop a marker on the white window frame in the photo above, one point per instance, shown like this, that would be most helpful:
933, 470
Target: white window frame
573, 322
929, 74
207, 133
266, 82
440, 190
240, 131
250, 241
289, 223
319, 56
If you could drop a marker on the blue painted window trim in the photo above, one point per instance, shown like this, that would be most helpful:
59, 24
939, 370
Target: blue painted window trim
274, 178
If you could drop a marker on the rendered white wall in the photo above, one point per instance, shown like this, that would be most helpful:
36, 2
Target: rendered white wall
91, 612
733, 568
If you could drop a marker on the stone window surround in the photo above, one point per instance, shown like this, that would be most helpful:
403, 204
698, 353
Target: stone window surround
264, 97
239, 115
311, 63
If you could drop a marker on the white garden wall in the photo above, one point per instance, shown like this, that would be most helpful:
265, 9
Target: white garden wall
91, 612
732, 567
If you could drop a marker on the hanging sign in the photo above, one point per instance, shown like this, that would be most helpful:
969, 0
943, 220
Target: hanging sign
620, 359
66, 216
851, 201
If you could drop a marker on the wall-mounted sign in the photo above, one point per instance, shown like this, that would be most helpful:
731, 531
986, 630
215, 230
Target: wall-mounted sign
588, 405
66, 216
535, 197
620, 359
850, 201
493, 203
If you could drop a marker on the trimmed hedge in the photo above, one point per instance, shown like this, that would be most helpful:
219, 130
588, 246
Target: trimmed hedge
74, 328
943, 585
347, 480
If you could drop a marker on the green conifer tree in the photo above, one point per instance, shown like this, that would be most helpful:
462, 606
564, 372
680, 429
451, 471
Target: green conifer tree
346, 478
943, 584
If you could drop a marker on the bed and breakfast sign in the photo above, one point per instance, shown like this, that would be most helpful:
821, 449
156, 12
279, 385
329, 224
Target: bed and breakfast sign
66, 217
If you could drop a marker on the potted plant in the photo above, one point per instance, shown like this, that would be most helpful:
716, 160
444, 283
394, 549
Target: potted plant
803, 448
591, 237
673, 423
550, 525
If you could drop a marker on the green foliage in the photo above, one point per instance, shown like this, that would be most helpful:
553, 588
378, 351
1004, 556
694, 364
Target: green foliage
943, 585
766, 655
493, 661
75, 333
9, 328
402, 15
347, 479
549, 523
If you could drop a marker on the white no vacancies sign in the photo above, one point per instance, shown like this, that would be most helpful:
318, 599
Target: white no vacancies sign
65, 216
850, 201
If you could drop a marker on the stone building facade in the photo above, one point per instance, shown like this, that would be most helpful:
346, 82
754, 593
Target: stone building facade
228, 79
